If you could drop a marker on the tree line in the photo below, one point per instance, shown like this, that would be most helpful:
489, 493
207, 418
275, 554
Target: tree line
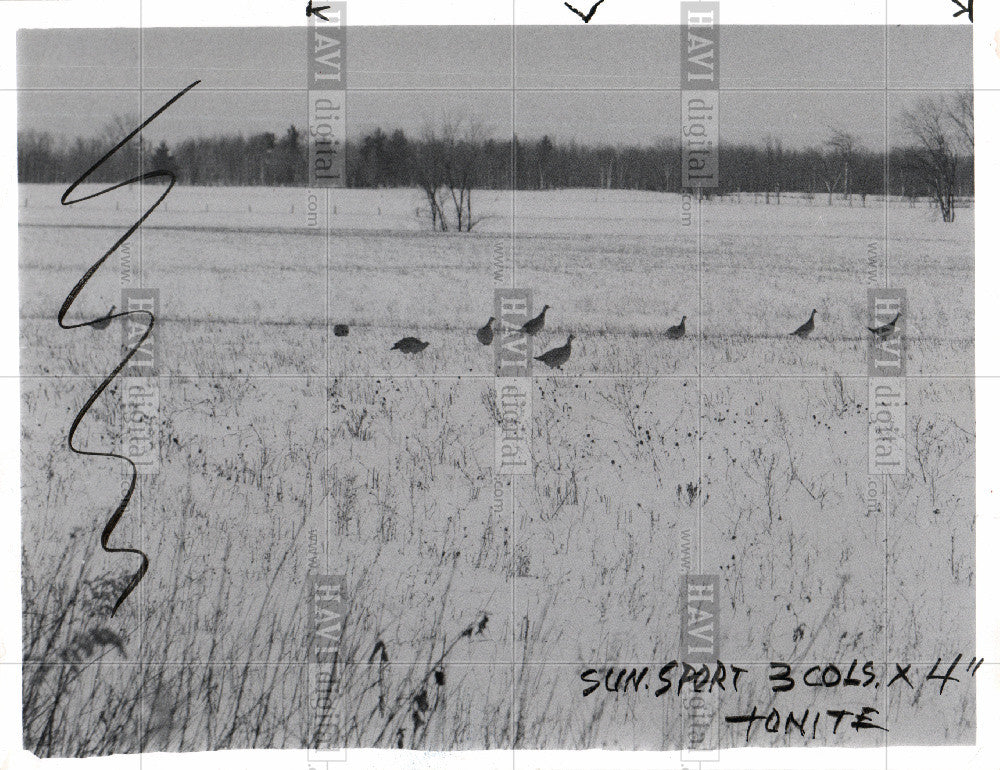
450, 161
396, 160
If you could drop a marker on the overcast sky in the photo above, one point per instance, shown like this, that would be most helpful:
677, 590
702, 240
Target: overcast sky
589, 84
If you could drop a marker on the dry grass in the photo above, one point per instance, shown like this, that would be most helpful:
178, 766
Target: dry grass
575, 565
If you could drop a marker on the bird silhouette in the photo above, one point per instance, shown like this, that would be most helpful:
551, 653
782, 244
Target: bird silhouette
556, 357
341, 330
410, 345
885, 330
806, 329
676, 332
536, 324
485, 334
103, 323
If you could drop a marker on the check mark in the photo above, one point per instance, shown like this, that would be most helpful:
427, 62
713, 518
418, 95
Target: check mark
589, 16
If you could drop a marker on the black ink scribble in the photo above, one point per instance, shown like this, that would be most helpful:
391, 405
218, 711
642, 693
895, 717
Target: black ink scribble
962, 9
102, 322
589, 16
311, 11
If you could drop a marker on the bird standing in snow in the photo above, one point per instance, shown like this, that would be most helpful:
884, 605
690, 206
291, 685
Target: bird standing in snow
485, 334
103, 322
556, 357
885, 330
536, 324
806, 329
410, 345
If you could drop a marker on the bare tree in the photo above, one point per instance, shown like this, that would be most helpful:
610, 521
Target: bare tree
128, 161
774, 158
826, 166
430, 170
940, 127
961, 113
843, 144
446, 166
463, 149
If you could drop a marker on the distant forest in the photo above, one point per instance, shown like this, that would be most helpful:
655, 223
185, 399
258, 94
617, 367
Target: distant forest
839, 166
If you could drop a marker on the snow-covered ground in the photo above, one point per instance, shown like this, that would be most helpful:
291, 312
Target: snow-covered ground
578, 564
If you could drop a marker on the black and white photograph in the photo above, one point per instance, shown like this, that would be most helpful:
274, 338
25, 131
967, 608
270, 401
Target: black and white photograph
506, 387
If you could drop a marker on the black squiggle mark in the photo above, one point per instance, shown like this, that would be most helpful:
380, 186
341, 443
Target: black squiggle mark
119, 511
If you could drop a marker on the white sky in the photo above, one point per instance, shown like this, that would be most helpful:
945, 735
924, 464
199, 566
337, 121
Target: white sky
253, 79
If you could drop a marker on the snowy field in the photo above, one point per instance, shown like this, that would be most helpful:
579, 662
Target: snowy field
576, 565
617, 267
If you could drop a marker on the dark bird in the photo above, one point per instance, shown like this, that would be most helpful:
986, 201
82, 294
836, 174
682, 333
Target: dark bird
400, 734
420, 700
482, 623
439, 677
885, 330
806, 329
410, 345
103, 323
341, 330
485, 334
676, 332
556, 357
536, 324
